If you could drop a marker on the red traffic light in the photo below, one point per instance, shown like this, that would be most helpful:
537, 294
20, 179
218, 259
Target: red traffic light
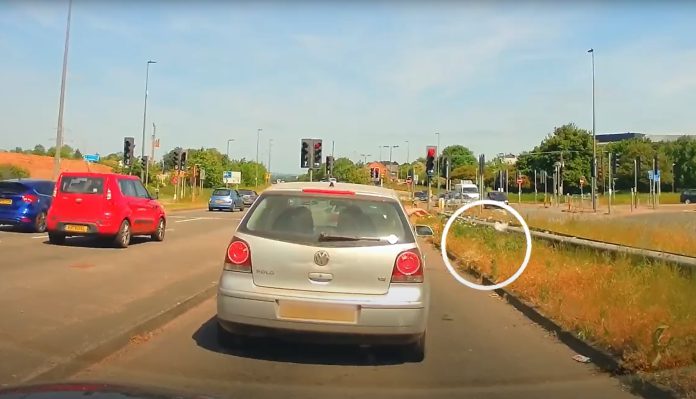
431, 153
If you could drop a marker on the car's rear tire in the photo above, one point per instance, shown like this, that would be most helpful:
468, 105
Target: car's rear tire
210, 209
158, 235
40, 223
687, 201
228, 340
123, 237
56, 238
415, 351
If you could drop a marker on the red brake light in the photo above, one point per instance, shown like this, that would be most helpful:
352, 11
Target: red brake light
238, 256
323, 191
29, 198
408, 267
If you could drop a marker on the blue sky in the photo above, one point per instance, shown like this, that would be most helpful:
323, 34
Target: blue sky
496, 76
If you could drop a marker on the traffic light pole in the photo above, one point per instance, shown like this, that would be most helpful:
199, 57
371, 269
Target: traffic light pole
611, 186
310, 174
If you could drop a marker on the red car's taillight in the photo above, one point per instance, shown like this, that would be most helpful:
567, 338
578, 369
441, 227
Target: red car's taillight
238, 256
29, 198
408, 267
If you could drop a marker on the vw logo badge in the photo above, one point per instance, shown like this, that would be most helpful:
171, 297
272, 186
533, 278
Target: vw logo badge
321, 258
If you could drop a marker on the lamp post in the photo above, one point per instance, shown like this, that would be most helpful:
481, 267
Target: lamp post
228, 148
594, 140
365, 157
61, 102
258, 138
147, 78
437, 163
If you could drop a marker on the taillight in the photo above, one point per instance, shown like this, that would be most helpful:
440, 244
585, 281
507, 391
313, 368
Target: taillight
408, 267
29, 198
55, 191
108, 193
238, 256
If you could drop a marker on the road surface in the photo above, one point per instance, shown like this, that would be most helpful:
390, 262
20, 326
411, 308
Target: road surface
478, 346
56, 301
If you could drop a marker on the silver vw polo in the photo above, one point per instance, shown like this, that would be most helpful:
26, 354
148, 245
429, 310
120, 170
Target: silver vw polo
326, 261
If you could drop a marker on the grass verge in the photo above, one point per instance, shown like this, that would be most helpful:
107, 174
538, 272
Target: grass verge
643, 312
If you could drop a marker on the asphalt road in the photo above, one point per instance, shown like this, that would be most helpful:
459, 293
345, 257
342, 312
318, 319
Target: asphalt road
56, 301
478, 346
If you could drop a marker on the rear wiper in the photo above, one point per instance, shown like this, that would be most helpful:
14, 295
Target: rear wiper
323, 237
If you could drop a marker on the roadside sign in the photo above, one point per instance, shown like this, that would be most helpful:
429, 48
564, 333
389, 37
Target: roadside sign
519, 181
650, 175
202, 174
230, 177
582, 181
657, 176
91, 157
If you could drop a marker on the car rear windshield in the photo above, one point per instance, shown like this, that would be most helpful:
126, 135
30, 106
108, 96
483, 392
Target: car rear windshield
245, 192
328, 220
497, 196
470, 190
8, 187
82, 185
221, 193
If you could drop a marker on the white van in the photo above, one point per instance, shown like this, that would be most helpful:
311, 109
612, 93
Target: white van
468, 189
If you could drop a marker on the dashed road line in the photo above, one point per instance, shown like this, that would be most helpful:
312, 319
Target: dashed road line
37, 237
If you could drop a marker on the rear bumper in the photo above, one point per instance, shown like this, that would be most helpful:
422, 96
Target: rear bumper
93, 229
397, 317
17, 217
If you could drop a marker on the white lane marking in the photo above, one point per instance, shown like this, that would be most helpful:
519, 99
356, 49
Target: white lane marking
169, 229
187, 220
37, 237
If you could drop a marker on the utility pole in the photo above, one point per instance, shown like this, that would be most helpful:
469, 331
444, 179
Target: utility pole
147, 78
256, 178
535, 186
270, 145
61, 102
611, 186
594, 140
437, 163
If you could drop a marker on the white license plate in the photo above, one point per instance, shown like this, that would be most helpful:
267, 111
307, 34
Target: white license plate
312, 311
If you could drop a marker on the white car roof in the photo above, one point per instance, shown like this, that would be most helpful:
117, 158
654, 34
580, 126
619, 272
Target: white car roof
361, 189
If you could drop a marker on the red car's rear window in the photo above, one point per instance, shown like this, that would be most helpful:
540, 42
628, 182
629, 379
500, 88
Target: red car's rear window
82, 185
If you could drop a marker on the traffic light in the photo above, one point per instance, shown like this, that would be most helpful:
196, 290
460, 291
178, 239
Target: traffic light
329, 165
430, 160
144, 161
182, 160
593, 168
177, 157
317, 154
444, 166
615, 163
306, 153
128, 147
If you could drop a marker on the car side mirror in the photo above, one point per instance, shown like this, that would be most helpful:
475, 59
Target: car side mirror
423, 231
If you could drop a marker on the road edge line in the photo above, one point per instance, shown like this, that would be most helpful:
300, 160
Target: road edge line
84, 358
601, 358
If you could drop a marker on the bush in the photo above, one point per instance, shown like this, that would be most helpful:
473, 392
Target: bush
12, 172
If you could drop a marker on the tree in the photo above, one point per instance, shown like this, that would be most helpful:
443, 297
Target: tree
18, 150
458, 156
568, 145
77, 154
12, 172
66, 152
683, 154
211, 161
39, 150
169, 159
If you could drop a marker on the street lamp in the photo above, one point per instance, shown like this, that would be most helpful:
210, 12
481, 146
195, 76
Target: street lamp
674, 178
228, 148
258, 137
147, 78
61, 102
437, 163
408, 156
594, 141
365, 157
270, 145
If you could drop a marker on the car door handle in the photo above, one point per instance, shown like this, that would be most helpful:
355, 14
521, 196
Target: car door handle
321, 277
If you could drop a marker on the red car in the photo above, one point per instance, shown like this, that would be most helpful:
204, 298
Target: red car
103, 205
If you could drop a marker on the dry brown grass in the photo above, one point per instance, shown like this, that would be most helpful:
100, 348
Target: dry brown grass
644, 312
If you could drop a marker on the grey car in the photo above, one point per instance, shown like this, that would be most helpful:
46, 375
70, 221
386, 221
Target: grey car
315, 262
248, 196
225, 199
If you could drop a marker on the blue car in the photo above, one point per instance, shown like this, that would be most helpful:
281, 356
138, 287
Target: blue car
25, 202
225, 199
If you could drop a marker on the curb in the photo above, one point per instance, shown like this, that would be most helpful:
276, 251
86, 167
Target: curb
599, 357
92, 354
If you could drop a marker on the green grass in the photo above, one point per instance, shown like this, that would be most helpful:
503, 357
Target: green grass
618, 199
639, 309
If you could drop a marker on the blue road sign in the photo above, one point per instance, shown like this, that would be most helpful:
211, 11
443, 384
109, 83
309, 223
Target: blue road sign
91, 157
227, 174
650, 175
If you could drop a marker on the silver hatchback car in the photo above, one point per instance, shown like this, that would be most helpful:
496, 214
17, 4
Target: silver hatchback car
326, 261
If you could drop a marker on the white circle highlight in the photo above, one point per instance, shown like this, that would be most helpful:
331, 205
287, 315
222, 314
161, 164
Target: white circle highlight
453, 272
